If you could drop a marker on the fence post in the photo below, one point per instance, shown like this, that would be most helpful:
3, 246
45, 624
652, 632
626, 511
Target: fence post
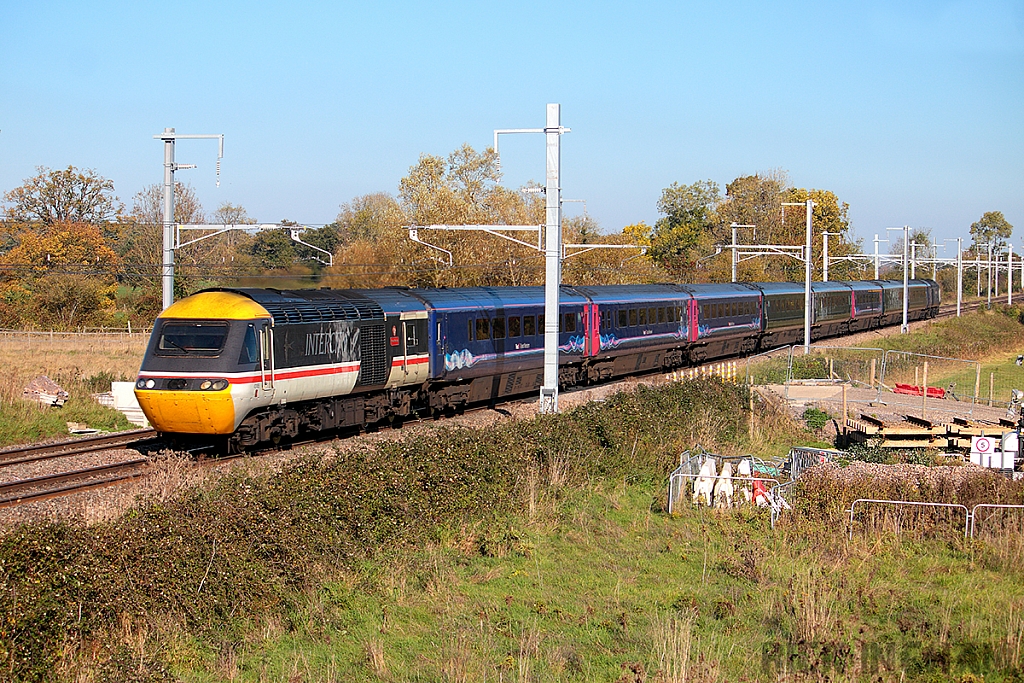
846, 415
872, 385
977, 382
924, 394
991, 387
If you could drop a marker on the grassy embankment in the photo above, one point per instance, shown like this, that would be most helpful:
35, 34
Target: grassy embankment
528, 551
81, 365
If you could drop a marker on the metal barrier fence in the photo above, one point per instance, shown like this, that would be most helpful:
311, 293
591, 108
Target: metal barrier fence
770, 367
957, 379
88, 333
911, 503
970, 515
974, 511
832, 365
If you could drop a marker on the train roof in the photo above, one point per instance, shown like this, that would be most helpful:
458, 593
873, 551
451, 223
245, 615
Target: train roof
717, 290
310, 305
780, 287
628, 293
462, 298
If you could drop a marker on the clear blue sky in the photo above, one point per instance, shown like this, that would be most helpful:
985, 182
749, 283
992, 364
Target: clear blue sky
912, 112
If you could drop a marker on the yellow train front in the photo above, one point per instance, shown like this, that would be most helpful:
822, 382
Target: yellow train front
258, 365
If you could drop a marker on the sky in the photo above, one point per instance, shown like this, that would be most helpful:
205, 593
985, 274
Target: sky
911, 112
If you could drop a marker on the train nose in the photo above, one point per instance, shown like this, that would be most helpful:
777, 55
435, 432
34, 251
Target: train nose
188, 412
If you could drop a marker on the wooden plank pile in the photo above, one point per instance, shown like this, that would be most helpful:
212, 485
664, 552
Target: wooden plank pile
896, 430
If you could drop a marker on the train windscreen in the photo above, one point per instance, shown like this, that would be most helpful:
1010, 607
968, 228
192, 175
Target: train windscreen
192, 339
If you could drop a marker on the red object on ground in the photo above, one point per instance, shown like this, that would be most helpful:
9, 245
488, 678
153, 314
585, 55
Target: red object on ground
914, 390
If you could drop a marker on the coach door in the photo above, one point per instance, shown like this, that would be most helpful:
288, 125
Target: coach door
267, 358
591, 330
415, 366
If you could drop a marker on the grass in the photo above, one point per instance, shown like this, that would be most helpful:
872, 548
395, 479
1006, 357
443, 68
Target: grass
82, 365
609, 588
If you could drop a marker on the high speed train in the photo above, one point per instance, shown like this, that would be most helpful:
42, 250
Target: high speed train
254, 365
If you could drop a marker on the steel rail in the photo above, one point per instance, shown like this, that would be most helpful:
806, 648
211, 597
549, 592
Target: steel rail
89, 444
129, 469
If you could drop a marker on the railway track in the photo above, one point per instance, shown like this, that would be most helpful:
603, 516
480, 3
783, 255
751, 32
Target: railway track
89, 444
55, 485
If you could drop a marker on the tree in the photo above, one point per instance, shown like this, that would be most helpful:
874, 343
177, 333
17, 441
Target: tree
231, 214
148, 205
688, 226
991, 228
60, 246
273, 249
68, 195
69, 301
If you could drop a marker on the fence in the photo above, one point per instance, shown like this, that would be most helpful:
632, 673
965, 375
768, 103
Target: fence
770, 367
970, 515
84, 333
855, 366
727, 371
957, 379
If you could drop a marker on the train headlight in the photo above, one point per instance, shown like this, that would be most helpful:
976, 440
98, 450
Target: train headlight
150, 383
206, 385
220, 384
141, 384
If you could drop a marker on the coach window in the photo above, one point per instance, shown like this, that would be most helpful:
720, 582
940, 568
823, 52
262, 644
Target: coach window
570, 322
529, 326
623, 317
632, 317
483, 329
540, 324
514, 326
643, 316
498, 328
652, 315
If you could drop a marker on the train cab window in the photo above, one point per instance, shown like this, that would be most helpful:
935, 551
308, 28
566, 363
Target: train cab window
412, 339
570, 322
483, 329
250, 348
529, 326
643, 316
632, 317
192, 339
498, 328
514, 326
623, 317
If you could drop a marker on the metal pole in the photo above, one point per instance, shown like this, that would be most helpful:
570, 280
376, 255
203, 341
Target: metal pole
988, 267
960, 274
1009, 275
913, 260
167, 270
906, 272
807, 281
824, 257
733, 226
552, 261
876, 255
935, 261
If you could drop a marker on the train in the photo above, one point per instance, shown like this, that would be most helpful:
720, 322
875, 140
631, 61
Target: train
251, 365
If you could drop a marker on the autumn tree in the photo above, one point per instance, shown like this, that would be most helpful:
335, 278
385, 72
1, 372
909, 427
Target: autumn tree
991, 228
65, 195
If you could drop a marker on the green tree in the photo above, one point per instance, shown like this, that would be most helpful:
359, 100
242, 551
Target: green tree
992, 228
64, 195
272, 249
687, 228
